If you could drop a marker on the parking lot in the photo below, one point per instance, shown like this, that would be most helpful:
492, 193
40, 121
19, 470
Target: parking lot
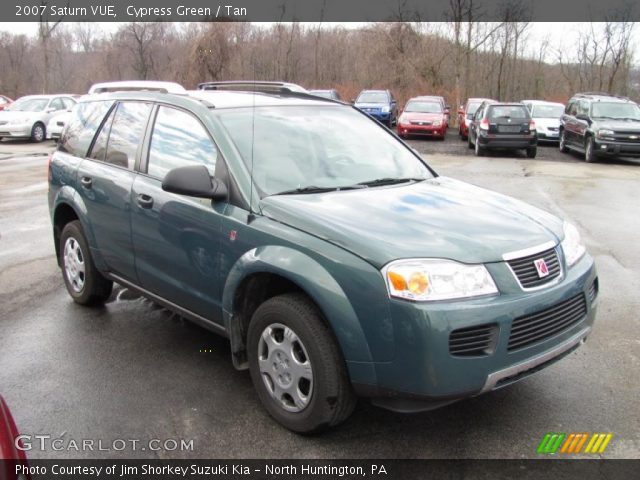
131, 370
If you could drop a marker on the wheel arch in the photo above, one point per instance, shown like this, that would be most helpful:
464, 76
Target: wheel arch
264, 272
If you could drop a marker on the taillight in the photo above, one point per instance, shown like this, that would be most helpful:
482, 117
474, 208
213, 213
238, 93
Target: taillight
532, 125
484, 124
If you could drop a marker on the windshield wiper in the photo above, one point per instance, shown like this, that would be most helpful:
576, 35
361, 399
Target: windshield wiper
316, 189
631, 119
389, 181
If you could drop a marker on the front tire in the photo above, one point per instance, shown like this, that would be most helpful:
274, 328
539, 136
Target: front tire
562, 143
589, 155
83, 281
296, 366
38, 133
531, 152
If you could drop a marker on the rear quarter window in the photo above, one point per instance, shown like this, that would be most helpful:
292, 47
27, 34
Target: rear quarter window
82, 126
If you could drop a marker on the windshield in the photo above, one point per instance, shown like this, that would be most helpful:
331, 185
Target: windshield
472, 107
547, 111
29, 105
325, 147
615, 110
423, 107
372, 97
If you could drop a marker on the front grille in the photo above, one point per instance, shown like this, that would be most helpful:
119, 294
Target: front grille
547, 323
421, 123
626, 137
3, 122
526, 272
473, 341
552, 129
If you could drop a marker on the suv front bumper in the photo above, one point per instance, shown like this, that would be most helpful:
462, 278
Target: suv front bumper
603, 148
425, 375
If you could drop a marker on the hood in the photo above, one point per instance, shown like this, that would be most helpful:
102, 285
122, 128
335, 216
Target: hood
547, 122
618, 125
419, 116
5, 115
437, 218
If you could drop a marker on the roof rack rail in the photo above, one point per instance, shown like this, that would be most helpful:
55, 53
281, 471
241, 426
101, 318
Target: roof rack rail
137, 86
251, 86
603, 94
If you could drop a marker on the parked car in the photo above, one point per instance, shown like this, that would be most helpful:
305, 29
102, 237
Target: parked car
466, 113
10, 454
445, 107
4, 102
547, 117
331, 94
502, 125
380, 104
56, 125
599, 125
28, 116
423, 116
336, 260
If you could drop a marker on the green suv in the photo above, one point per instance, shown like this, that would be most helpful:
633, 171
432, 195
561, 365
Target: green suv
336, 261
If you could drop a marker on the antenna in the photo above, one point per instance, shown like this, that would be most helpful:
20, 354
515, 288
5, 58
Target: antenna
251, 216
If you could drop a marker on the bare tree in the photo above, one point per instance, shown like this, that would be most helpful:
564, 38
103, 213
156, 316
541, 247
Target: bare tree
45, 30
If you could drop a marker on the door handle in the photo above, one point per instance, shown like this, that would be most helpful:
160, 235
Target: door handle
145, 201
87, 182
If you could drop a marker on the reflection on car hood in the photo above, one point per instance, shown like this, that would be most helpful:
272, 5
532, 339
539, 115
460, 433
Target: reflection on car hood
618, 125
441, 218
9, 115
408, 116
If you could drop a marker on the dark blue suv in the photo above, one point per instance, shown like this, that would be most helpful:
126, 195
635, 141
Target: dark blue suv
380, 104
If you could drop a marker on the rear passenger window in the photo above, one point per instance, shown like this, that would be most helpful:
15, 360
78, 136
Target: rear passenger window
56, 104
179, 139
124, 136
82, 126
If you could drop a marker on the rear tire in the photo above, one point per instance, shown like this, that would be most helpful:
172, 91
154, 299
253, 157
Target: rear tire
589, 155
531, 152
283, 331
83, 281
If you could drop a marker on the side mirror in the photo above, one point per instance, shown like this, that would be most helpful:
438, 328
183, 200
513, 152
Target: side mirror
194, 181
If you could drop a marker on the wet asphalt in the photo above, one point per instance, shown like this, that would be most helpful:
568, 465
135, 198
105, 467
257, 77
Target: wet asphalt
133, 371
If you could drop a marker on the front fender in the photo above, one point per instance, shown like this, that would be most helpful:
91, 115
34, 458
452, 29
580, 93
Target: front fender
318, 283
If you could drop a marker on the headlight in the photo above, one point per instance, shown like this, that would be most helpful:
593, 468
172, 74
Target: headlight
603, 132
437, 123
572, 245
433, 279
386, 109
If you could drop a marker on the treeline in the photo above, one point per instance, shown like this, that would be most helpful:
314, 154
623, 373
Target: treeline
456, 59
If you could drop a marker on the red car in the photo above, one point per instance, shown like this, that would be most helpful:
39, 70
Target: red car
5, 102
424, 116
8, 449
465, 114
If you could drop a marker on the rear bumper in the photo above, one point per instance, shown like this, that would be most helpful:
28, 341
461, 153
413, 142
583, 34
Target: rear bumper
507, 141
548, 136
